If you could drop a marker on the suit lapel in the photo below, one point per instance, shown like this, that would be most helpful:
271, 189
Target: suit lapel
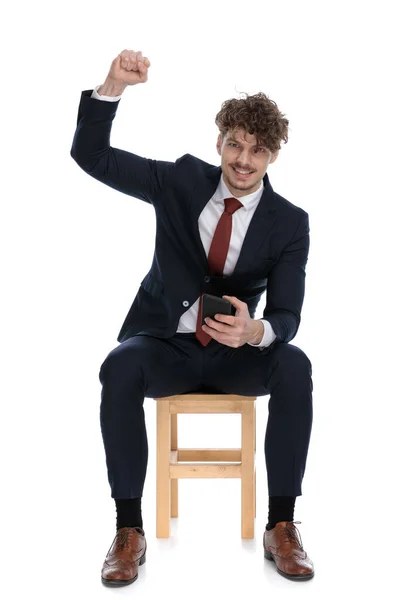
258, 233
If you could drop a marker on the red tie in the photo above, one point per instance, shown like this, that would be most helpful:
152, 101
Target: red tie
217, 255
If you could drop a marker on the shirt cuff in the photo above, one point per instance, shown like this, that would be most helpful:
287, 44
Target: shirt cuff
106, 98
268, 337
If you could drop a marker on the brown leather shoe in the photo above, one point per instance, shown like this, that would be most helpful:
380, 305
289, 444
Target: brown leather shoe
126, 553
283, 545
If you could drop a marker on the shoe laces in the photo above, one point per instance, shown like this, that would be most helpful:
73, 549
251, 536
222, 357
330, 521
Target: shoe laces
123, 538
291, 534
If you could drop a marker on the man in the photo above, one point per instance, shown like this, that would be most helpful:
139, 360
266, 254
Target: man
223, 231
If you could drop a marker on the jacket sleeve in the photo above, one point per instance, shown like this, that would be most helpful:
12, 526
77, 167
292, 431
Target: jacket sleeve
124, 171
286, 284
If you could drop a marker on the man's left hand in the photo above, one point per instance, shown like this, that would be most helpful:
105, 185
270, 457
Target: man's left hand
234, 331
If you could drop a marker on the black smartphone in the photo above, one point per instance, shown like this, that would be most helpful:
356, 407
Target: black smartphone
214, 305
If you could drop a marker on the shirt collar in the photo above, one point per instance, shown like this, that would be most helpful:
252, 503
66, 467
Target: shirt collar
248, 201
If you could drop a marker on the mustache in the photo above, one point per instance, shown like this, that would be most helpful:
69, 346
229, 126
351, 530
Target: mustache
242, 168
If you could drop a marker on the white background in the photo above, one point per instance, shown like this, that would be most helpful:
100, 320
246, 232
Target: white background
74, 252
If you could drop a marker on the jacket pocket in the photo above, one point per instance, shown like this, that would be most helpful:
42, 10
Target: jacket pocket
152, 285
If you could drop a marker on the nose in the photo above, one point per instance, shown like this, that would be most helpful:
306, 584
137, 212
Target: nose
243, 161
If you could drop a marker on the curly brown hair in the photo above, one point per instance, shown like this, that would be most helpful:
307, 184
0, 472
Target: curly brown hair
258, 115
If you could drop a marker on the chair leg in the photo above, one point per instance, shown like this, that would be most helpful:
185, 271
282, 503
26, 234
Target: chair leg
255, 470
174, 482
163, 491
255, 493
247, 475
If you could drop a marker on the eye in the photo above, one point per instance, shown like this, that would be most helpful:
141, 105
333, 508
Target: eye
233, 144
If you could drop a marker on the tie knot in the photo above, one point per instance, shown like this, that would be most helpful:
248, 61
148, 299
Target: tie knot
232, 205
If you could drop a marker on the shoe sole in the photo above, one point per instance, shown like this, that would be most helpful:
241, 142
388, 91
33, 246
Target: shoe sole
301, 577
121, 582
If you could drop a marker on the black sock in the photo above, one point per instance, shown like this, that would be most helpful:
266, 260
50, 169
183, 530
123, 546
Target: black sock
281, 508
129, 512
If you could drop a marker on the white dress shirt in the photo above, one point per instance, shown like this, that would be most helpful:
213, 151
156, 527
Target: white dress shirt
208, 220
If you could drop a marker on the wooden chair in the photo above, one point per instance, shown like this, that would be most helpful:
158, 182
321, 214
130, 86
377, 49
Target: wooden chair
174, 463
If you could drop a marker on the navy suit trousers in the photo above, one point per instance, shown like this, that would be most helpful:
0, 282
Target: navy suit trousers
145, 366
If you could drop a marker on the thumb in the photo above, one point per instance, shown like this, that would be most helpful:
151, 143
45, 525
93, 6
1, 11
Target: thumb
233, 300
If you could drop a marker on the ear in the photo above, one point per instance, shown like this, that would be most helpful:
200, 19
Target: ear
219, 143
274, 157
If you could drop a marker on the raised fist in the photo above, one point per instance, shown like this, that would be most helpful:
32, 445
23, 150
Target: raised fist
129, 68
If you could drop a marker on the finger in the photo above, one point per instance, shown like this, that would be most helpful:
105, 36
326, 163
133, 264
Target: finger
208, 330
235, 301
142, 63
209, 323
216, 326
125, 57
136, 61
132, 61
126, 62
229, 319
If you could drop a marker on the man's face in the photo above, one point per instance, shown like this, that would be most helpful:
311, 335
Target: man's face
239, 150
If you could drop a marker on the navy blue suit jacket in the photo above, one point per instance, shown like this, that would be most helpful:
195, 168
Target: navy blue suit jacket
274, 252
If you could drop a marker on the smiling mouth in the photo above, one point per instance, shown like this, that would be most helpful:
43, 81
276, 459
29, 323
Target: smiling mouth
242, 175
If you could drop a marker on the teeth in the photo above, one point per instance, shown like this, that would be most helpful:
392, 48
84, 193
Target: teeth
242, 172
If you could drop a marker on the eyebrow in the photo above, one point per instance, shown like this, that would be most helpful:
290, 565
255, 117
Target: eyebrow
230, 139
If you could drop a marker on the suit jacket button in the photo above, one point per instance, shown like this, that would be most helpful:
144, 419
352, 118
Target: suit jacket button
185, 303
207, 279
